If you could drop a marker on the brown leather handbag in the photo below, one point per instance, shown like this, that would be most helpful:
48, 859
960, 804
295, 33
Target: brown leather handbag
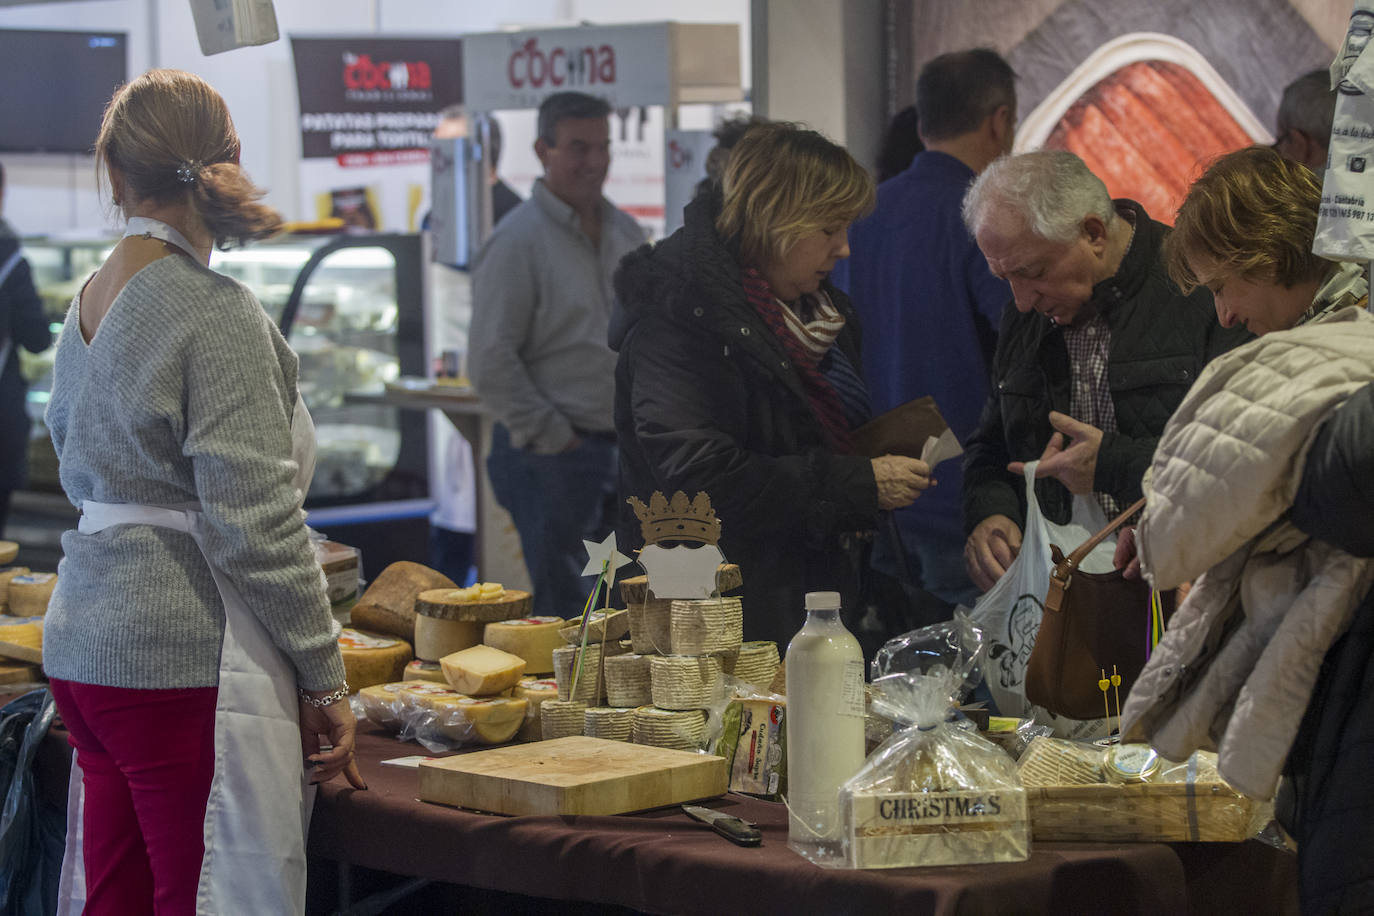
1092, 623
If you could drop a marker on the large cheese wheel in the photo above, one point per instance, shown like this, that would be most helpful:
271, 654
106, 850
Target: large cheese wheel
531, 638
29, 593
482, 670
435, 637
5, 576
388, 605
478, 720
534, 691
21, 638
457, 604
421, 670
8, 551
371, 658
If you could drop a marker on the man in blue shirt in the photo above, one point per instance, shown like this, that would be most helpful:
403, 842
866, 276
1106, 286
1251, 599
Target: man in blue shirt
929, 306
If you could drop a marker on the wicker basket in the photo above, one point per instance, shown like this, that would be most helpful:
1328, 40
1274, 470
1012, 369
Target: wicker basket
1209, 812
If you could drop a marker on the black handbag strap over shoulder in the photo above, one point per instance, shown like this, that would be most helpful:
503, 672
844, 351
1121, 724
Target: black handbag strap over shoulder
1061, 577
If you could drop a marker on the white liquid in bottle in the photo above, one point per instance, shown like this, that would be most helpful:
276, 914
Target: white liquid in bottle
825, 725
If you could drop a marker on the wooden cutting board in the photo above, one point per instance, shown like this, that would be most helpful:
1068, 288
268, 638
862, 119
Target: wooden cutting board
574, 775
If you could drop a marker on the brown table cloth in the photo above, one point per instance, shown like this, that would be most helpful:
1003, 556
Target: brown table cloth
663, 862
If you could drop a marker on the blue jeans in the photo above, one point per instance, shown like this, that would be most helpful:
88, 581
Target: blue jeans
556, 501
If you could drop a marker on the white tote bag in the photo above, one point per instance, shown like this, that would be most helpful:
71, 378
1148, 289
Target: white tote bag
1009, 612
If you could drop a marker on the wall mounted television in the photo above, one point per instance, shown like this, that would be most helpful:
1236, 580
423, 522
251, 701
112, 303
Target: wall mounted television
56, 86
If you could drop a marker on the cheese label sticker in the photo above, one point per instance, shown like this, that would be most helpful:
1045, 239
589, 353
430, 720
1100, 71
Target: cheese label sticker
352, 639
431, 690
532, 621
33, 579
421, 665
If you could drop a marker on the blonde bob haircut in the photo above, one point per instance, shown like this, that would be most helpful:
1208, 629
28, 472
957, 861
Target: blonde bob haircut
1252, 214
784, 182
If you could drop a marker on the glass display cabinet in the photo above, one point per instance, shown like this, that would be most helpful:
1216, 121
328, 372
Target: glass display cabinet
351, 306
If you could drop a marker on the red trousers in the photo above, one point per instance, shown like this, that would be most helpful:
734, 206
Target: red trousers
147, 757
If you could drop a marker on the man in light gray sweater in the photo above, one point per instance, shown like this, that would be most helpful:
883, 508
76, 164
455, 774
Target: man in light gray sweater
538, 352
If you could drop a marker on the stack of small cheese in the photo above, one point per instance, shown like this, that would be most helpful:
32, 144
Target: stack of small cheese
583, 677
682, 651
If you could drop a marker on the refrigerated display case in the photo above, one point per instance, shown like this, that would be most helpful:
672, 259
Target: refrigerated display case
351, 306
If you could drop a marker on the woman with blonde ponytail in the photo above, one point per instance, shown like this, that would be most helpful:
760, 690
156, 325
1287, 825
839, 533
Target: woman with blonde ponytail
189, 642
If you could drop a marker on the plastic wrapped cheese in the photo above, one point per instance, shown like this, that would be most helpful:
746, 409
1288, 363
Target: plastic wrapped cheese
387, 704
478, 720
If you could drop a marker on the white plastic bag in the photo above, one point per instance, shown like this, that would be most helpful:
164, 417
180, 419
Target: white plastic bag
1009, 613
1345, 225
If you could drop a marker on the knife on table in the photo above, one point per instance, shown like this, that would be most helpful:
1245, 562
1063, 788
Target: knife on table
739, 832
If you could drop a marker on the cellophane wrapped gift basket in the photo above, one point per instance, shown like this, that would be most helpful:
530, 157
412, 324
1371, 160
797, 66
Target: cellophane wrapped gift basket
935, 792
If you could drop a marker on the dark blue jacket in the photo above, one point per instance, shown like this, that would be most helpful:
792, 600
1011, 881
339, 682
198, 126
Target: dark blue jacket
22, 322
929, 308
1325, 802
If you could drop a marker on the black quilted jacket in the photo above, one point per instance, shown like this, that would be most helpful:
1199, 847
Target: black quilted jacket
1161, 339
1325, 802
705, 400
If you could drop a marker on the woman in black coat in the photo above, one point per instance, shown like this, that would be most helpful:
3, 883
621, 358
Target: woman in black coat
739, 374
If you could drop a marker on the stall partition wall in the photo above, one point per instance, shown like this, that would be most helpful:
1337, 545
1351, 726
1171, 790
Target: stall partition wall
1147, 93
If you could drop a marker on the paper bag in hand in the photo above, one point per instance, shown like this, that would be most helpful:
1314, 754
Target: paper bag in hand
905, 430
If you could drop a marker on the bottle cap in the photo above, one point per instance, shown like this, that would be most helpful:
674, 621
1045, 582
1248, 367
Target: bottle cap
822, 601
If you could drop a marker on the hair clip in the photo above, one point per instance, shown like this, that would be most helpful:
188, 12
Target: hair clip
186, 172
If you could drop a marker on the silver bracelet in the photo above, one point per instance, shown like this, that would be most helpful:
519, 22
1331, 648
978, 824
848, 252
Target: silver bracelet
328, 699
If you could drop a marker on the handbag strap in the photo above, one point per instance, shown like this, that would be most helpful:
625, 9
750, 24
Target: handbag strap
1061, 577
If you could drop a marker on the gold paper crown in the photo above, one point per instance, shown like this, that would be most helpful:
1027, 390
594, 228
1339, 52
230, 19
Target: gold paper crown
678, 520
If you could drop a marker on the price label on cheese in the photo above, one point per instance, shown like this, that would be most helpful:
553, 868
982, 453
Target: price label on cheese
352, 639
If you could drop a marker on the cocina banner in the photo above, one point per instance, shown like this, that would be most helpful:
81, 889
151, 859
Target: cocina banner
367, 109
626, 65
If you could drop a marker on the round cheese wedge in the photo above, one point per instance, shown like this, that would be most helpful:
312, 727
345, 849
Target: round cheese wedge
370, 658
479, 720
531, 638
436, 637
5, 576
420, 670
387, 704
482, 671
465, 604
388, 605
8, 551
29, 593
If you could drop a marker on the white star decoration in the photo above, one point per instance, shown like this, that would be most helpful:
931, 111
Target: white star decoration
604, 555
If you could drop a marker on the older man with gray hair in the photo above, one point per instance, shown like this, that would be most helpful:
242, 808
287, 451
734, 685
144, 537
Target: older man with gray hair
1306, 110
1094, 353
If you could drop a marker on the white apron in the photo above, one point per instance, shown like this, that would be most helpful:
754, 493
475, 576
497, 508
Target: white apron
258, 811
